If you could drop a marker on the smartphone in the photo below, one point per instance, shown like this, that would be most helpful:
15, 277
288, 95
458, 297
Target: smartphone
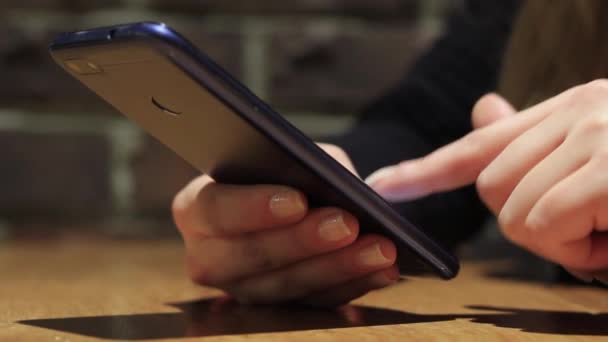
176, 93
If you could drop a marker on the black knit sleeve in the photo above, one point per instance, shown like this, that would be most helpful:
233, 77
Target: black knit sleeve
431, 107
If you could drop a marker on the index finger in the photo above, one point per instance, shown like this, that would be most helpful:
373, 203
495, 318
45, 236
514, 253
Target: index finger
210, 209
459, 163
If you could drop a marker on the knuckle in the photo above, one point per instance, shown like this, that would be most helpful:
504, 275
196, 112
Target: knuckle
204, 263
208, 208
486, 185
179, 211
592, 125
528, 233
510, 227
185, 208
200, 277
594, 90
185, 216
600, 160
195, 216
207, 276
207, 197
199, 274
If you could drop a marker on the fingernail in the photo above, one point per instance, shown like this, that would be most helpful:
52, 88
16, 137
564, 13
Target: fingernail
373, 256
582, 276
386, 184
287, 204
333, 229
602, 277
379, 175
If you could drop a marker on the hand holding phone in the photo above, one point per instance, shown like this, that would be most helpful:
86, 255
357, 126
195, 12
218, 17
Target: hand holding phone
277, 249
179, 95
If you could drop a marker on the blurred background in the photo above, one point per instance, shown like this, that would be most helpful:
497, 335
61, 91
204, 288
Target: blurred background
70, 163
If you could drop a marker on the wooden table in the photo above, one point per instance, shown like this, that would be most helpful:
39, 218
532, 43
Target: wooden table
82, 289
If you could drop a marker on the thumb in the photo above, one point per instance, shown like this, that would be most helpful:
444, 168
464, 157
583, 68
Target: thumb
489, 109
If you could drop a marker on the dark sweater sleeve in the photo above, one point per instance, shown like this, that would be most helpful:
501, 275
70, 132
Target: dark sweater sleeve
431, 107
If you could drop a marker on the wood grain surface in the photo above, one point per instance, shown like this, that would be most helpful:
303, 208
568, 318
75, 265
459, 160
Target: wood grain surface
86, 289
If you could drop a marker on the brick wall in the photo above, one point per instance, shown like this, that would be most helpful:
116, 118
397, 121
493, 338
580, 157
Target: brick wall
68, 156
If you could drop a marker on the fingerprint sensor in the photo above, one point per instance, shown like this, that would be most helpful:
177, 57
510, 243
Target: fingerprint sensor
165, 109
